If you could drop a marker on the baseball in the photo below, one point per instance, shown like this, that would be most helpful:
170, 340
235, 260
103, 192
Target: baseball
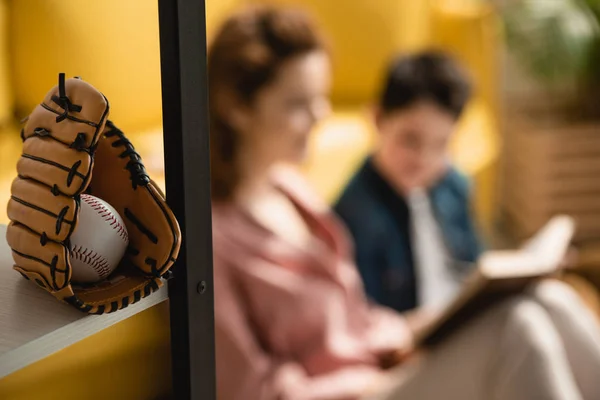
99, 241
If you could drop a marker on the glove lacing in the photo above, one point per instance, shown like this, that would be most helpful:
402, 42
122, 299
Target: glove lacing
63, 100
136, 168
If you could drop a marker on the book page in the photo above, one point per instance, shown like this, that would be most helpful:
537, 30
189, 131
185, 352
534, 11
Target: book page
539, 255
502, 273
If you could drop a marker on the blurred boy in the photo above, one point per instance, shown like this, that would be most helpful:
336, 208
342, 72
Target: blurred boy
407, 208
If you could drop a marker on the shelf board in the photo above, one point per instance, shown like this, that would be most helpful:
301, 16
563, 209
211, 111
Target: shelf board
33, 324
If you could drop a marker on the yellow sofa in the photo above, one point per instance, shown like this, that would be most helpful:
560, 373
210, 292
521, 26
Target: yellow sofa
117, 50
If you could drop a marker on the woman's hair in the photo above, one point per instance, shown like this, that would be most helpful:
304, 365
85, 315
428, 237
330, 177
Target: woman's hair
245, 56
431, 76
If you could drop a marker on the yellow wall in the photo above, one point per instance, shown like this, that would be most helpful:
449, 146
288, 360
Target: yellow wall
5, 87
124, 59
117, 50
217, 11
112, 43
364, 34
470, 31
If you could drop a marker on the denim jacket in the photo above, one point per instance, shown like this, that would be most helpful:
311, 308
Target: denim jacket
379, 221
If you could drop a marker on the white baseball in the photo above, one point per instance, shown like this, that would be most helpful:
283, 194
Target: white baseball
99, 241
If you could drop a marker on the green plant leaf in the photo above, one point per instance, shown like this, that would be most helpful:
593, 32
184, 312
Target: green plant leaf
555, 40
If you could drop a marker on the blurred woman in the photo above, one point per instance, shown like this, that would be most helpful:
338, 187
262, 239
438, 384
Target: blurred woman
292, 319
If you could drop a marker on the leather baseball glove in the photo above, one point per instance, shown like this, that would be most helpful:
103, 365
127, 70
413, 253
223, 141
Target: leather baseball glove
69, 148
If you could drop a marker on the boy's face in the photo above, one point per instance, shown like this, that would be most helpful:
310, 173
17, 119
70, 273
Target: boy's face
413, 144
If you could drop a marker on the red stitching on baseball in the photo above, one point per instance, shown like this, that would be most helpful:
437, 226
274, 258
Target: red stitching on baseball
93, 259
107, 215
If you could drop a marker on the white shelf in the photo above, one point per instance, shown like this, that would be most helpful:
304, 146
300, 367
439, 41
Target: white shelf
33, 324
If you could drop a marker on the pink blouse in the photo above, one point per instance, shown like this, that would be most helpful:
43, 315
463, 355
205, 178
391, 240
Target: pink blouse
292, 323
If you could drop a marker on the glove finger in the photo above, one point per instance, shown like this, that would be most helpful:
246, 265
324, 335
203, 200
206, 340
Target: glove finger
42, 280
82, 110
155, 257
54, 164
154, 234
46, 265
35, 206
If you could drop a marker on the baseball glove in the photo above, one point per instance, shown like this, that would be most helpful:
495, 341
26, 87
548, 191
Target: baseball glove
70, 148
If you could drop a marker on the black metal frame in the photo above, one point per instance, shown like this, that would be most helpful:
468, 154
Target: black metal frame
187, 173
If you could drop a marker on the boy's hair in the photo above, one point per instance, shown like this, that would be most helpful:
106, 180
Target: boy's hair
431, 76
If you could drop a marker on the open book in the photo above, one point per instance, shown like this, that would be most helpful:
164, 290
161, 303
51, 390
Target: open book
500, 274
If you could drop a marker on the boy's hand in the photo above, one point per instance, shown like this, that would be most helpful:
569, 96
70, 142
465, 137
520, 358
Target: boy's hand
419, 318
570, 260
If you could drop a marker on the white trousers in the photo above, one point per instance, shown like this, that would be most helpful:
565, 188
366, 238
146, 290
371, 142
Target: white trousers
542, 345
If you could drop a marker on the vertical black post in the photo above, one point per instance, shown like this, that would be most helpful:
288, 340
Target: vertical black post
185, 121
